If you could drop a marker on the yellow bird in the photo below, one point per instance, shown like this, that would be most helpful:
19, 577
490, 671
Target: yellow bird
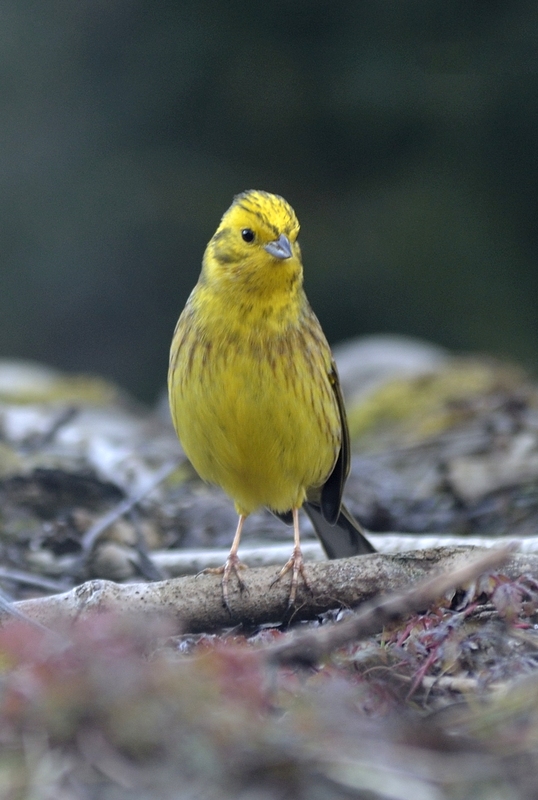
253, 388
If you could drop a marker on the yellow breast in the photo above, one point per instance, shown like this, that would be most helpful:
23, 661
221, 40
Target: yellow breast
254, 408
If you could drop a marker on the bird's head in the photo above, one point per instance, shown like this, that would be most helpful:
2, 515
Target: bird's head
256, 242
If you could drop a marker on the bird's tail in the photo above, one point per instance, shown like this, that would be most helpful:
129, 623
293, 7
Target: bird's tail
343, 539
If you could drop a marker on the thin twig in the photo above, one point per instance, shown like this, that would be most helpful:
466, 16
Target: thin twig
93, 533
28, 578
65, 416
144, 563
7, 606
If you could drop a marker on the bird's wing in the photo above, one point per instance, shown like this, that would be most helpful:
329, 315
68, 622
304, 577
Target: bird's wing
331, 491
337, 529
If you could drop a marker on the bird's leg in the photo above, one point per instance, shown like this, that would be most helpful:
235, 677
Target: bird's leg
232, 564
295, 563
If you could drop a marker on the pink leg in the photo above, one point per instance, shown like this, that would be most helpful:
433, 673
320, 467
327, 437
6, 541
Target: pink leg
295, 563
232, 564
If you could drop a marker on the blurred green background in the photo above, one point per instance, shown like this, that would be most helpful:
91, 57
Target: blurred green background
405, 134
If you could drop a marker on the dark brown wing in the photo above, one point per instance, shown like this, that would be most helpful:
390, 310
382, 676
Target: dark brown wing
337, 529
332, 489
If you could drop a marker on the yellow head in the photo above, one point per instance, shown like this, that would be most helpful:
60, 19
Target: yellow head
255, 244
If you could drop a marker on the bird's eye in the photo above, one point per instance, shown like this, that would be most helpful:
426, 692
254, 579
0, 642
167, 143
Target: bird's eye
247, 235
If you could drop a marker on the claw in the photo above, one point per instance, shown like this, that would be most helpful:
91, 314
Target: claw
232, 565
295, 565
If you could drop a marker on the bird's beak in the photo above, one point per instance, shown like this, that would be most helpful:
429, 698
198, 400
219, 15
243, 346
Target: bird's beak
280, 248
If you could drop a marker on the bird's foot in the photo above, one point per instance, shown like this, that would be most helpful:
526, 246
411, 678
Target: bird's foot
232, 566
295, 565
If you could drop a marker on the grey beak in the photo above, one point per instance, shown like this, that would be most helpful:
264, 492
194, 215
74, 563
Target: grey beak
281, 248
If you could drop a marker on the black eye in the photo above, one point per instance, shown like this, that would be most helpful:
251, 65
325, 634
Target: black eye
248, 235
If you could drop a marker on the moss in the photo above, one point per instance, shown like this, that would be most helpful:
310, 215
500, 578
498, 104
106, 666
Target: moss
10, 461
413, 409
23, 382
